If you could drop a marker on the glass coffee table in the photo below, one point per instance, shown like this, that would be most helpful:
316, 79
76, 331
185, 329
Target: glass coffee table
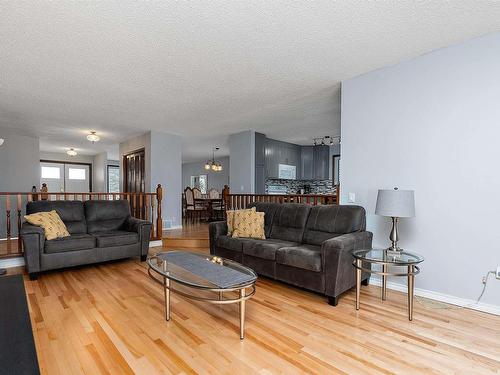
386, 258
203, 277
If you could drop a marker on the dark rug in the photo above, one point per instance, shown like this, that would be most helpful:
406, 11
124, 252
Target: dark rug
17, 347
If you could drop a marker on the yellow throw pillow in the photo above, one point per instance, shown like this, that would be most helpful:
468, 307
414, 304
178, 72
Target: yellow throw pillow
51, 222
250, 225
231, 214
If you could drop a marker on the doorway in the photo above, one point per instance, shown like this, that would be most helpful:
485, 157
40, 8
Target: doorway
133, 172
66, 177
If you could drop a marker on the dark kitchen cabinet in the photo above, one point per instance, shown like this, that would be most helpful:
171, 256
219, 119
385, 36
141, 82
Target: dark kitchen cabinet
321, 162
306, 162
277, 153
260, 163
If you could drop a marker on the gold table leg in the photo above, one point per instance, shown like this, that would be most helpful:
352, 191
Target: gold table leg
384, 282
242, 314
166, 286
411, 286
358, 282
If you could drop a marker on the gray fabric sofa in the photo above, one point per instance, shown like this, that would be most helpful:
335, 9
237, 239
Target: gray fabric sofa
306, 246
99, 231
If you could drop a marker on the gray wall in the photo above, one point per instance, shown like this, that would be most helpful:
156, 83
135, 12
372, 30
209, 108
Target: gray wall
432, 124
100, 171
166, 169
60, 156
19, 171
242, 162
216, 180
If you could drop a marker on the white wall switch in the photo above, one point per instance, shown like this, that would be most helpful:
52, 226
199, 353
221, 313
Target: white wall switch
351, 198
497, 274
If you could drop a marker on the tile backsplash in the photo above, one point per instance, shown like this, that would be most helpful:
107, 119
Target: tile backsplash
294, 186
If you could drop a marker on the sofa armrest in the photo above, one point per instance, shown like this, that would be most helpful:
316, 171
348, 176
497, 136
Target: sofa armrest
143, 229
337, 261
216, 229
33, 238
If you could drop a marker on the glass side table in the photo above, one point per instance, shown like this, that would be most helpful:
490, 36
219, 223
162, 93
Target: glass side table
385, 259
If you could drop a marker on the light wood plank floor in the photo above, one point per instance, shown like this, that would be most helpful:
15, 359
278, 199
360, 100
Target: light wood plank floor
109, 319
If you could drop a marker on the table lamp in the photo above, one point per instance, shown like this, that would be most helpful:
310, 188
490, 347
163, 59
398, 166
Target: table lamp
395, 204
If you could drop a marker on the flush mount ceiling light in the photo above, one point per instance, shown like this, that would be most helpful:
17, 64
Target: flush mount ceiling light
93, 137
213, 165
2, 141
327, 140
72, 152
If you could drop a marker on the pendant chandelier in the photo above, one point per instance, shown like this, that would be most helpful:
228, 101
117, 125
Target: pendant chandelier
213, 165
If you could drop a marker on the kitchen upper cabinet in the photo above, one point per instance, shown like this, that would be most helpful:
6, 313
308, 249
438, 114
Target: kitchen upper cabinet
306, 162
277, 153
321, 162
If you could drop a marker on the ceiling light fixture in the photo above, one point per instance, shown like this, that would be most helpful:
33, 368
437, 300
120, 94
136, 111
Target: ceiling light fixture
93, 137
213, 165
326, 140
2, 141
72, 152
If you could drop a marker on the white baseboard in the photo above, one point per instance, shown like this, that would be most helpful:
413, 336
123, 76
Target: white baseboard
12, 262
441, 297
155, 243
174, 227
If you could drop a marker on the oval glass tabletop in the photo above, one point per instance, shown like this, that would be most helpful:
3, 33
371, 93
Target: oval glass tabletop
383, 256
202, 271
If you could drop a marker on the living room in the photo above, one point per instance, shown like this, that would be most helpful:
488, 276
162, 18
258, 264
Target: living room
350, 148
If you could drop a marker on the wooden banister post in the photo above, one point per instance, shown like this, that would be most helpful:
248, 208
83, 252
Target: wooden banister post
337, 198
159, 220
225, 196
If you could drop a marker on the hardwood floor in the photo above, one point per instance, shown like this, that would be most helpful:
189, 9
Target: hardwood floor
109, 319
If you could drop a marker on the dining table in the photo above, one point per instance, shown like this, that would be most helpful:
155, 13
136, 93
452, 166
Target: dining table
209, 203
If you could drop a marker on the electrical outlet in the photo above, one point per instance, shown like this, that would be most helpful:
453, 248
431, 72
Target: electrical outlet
497, 274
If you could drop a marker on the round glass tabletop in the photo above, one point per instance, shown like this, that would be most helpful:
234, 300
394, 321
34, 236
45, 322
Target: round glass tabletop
404, 258
202, 271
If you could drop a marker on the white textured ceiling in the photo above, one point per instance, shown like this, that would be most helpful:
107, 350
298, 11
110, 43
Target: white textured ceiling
205, 69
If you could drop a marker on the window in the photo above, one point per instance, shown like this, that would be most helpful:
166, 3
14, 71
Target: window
200, 182
76, 174
51, 172
113, 179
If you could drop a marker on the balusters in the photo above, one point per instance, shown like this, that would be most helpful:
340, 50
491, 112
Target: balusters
7, 211
19, 210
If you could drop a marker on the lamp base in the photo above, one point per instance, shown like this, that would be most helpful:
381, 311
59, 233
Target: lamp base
394, 252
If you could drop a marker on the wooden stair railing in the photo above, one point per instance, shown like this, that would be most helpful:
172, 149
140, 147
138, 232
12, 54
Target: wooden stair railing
146, 206
241, 201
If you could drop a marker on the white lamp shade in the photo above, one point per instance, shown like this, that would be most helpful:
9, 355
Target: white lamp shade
395, 203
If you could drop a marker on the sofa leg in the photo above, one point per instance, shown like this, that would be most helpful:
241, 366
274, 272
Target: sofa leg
33, 275
144, 258
333, 301
365, 282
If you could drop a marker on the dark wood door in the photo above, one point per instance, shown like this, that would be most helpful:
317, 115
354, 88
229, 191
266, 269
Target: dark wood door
134, 168
134, 181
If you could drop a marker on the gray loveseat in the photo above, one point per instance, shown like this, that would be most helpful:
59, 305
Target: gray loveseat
306, 246
100, 231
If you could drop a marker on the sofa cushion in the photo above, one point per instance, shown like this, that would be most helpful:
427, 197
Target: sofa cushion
71, 213
330, 221
265, 249
115, 238
51, 223
71, 243
270, 210
249, 224
289, 222
230, 243
307, 257
103, 216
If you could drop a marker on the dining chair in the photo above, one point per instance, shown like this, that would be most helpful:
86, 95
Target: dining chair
192, 209
213, 194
